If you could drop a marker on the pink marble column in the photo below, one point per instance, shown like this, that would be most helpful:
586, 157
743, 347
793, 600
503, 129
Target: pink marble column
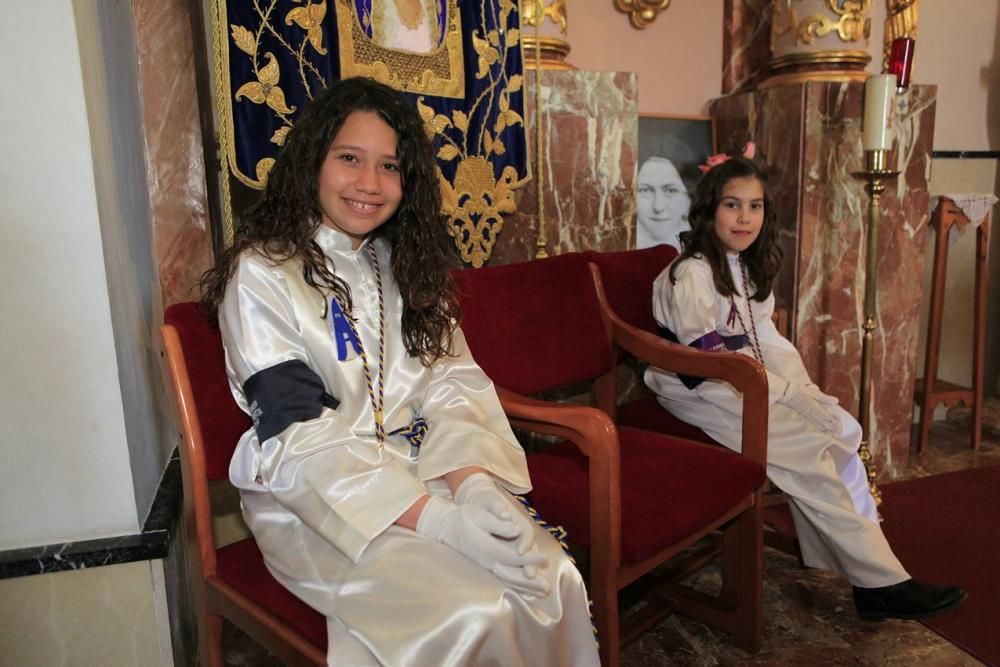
746, 43
809, 135
175, 166
591, 127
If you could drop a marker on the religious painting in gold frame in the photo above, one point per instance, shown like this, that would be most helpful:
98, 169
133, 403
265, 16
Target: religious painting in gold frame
376, 41
671, 147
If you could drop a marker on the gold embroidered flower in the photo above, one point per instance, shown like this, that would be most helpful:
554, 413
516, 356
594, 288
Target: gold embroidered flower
310, 19
265, 89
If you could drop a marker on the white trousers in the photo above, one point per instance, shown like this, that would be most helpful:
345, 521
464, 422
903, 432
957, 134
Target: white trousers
823, 477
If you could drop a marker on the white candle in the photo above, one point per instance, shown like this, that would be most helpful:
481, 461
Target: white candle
880, 94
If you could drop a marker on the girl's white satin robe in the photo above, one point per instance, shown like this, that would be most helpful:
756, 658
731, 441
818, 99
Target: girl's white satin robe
321, 498
834, 513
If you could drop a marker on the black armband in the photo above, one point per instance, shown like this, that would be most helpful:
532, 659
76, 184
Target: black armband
284, 394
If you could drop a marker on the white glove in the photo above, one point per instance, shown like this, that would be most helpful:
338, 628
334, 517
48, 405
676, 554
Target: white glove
817, 393
482, 537
479, 489
805, 402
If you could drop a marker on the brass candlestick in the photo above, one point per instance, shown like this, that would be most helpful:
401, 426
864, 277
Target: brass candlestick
876, 173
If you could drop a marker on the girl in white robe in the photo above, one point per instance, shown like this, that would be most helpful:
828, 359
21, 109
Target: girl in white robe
717, 296
377, 479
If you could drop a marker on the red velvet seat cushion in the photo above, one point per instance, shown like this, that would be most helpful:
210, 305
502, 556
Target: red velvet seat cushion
222, 421
670, 490
241, 566
646, 414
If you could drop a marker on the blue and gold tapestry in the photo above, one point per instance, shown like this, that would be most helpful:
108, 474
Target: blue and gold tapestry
458, 60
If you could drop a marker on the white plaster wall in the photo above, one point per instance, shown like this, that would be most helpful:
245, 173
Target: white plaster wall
62, 428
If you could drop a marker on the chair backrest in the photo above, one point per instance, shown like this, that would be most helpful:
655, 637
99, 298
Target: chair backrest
535, 325
628, 277
222, 422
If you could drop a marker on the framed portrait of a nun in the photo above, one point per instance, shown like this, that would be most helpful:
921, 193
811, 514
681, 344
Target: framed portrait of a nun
670, 150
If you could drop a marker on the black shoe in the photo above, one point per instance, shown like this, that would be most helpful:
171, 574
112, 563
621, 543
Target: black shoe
909, 599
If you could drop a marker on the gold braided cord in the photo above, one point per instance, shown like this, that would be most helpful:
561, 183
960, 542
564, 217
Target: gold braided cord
542, 243
377, 398
222, 110
750, 333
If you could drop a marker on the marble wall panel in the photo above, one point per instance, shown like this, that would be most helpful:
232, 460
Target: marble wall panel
809, 135
746, 43
175, 166
590, 123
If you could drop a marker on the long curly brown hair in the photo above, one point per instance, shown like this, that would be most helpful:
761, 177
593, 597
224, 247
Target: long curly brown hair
762, 258
282, 223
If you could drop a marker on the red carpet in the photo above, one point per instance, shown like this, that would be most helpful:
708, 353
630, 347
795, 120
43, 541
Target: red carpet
946, 530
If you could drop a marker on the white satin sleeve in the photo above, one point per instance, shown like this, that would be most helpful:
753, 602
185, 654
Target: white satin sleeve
780, 356
468, 426
342, 487
689, 307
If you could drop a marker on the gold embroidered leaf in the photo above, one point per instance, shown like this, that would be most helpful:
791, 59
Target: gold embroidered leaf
493, 37
449, 198
426, 113
504, 102
487, 141
316, 39
515, 83
263, 169
276, 100
460, 119
269, 73
513, 117
252, 90
513, 37
243, 39
500, 124
479, 44
498, 147
299, 16
441, 123
279, 135
448, 152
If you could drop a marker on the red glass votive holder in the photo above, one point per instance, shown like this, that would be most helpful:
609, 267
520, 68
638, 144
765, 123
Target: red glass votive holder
901, 60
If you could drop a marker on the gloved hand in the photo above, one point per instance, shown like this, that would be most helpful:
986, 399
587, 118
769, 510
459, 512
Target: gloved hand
817, 393
805, 402
482, 537
479, 489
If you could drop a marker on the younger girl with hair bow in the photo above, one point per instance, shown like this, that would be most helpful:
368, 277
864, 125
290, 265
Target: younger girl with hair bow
716, 295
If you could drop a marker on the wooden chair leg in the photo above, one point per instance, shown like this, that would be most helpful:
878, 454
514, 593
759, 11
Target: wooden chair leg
749, 606
979, 335
211, 645
606, 621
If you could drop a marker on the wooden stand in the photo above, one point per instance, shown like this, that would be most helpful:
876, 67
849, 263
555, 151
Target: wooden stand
930, 391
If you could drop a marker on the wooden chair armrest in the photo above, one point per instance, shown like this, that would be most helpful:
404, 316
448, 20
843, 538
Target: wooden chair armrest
591, 430
739, 370
594, 433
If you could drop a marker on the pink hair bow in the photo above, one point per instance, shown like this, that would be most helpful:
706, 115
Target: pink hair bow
749, 151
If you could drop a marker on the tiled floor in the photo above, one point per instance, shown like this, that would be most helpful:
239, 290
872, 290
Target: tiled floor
808, 614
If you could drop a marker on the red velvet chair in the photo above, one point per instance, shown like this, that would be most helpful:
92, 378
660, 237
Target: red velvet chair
231, 582
625, 282
634, 499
